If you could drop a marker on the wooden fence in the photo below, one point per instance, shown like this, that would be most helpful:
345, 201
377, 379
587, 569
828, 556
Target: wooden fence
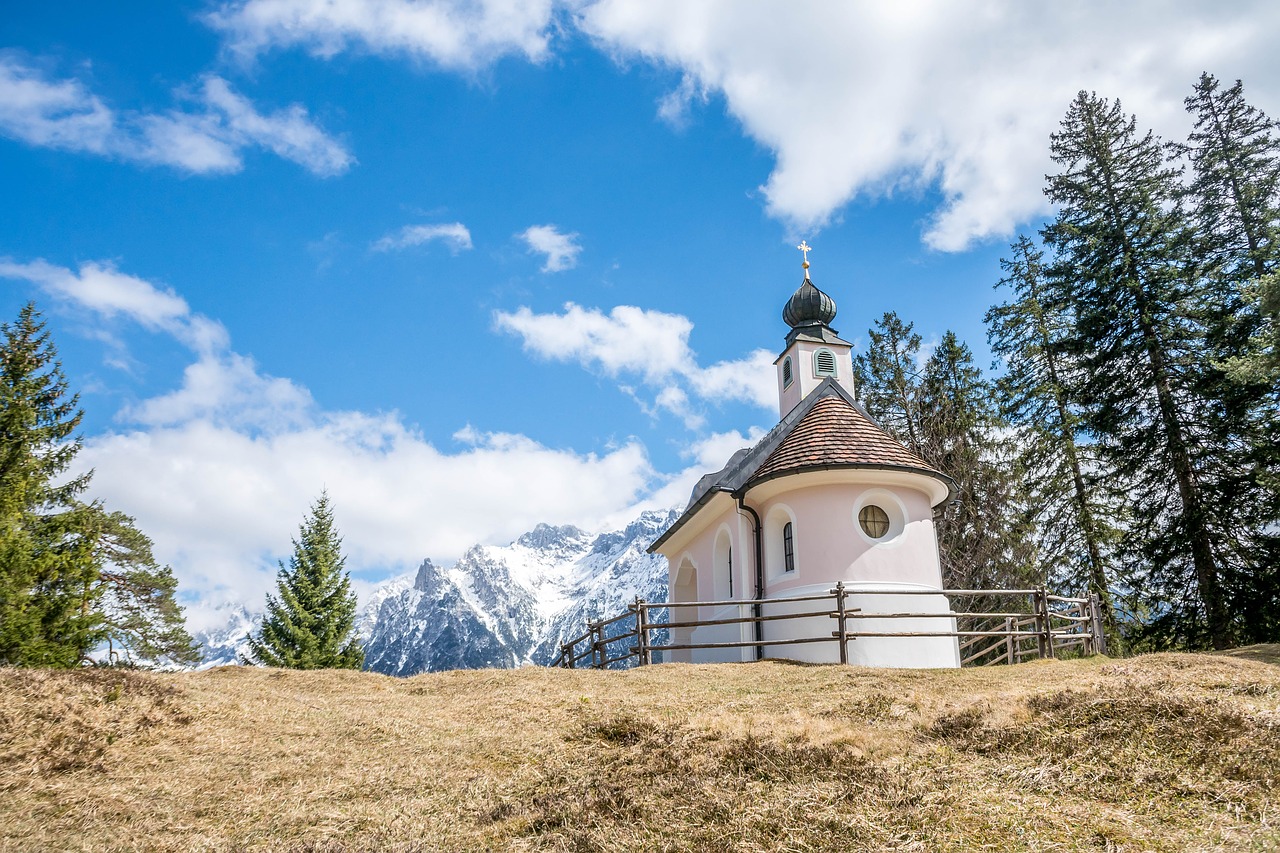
992, 626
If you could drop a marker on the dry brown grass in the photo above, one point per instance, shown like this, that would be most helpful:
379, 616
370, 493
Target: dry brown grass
1164, 752
1265, 652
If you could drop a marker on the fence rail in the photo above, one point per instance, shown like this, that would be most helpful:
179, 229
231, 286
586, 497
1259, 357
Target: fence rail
1050, 625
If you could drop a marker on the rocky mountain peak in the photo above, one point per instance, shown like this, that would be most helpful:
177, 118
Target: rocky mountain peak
428, 577
549, 536
512, 605
497, 606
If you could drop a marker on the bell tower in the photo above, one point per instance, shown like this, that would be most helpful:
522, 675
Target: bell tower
814, 351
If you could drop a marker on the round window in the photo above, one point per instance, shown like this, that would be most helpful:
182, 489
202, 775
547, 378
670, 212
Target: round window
874, 521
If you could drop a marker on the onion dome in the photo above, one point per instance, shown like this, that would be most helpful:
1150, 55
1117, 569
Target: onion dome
809, 306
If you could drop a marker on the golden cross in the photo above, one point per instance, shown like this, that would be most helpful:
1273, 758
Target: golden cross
806, 249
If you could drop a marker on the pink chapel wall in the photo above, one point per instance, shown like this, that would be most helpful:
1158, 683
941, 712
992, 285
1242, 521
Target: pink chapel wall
700, 556
829, 546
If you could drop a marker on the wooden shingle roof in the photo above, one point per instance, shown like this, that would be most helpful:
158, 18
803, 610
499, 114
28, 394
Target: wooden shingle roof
827, 430
834, 433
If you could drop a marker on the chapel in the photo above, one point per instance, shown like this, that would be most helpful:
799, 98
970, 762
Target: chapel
825, 496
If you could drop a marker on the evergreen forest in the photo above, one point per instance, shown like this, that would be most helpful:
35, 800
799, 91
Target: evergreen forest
1127, 441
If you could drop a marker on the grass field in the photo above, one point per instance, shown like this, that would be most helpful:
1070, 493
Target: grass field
1163, 752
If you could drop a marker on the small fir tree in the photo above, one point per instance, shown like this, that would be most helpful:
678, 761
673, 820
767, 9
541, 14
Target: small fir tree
309, 621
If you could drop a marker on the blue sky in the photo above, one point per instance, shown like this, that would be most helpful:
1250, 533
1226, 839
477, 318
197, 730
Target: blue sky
473, 265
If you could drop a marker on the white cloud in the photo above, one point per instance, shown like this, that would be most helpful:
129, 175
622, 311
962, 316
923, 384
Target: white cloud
561, 250
289, 132
674, 107
221, 502
209, 137
651, 345
870, 98
53, 114
100, 288
674, 399
226, 389
220, 471
451, 34
751, 378
453, 234
711, 452
626, 340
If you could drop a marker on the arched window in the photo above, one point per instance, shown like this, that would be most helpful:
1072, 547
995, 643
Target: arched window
824, 363
788, 549
731, 571
786, 372
779, 541
722, 567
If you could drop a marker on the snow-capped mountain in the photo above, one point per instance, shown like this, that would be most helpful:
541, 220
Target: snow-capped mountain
504, 606
225, 643
498, 606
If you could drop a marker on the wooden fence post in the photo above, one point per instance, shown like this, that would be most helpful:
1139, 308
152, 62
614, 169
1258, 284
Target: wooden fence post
839, 593
1043, 624
1010, 642
597, 658
566, 656
1099, 635
642, 632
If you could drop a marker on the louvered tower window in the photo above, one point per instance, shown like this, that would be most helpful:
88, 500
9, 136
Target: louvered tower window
788, 549
786, 372
824, 363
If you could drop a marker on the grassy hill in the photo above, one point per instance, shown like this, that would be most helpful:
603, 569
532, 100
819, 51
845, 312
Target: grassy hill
1163, 752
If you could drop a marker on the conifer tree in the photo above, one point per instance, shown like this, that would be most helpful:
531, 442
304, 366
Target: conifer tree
1037, 396
1234, 196
1235, 190
945, 414
72, 575
887, 376
309, 621
984, 537
1261, 363
44, 579
1121, 242
142, 621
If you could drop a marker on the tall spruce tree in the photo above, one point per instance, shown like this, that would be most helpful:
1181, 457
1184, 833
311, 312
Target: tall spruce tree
944, 413
1037, 394
1261, 363
1234, 197
1235, 188
985, 538
72, 575
1122, 257
309, 621
887, 376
